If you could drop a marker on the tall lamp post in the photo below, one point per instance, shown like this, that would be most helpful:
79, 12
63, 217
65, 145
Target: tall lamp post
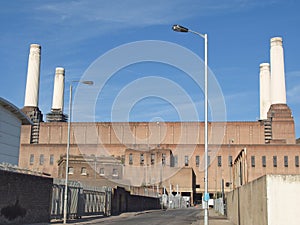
68, 146
179, 28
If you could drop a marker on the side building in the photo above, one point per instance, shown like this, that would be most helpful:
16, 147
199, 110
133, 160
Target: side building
11, 120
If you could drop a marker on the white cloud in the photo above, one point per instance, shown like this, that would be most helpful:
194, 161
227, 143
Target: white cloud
132, 13
90, 18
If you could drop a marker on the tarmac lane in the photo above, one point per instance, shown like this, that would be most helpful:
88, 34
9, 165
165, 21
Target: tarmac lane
185, 216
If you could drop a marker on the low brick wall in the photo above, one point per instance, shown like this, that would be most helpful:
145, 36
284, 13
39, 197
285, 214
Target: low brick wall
24, 198
123, 201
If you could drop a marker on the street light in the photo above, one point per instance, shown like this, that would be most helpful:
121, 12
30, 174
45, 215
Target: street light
179, 28
68, 146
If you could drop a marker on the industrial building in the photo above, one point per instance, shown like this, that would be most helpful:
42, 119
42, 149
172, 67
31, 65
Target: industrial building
166, 155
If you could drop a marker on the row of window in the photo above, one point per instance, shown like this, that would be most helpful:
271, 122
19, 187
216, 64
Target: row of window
275, 159
285, 161
41, 159
174, 160
152, 159
197, 160
84, 172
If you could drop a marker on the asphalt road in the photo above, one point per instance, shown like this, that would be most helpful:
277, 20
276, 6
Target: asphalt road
189, 216
169, 217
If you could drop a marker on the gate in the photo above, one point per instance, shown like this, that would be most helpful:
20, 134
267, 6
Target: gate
82, 200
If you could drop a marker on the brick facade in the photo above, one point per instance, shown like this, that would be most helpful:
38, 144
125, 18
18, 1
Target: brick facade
182, 144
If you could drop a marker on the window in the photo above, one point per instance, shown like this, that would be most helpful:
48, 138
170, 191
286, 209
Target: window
197, 160
175, 161
186, 160
115, 173
219, 161
297, 161
275, 161
142, 159
70, 170
101, 172
263, 160
253, 161
41, 159
130, 159
51, 159
241, 173
230, 160
163, 159
83, 171
286, 161
152, 158
31, 160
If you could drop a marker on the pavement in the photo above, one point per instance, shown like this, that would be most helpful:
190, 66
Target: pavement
214, 218
87, 220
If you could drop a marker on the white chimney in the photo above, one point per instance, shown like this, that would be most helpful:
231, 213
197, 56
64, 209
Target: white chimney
58, 92
278, 92
33, 76
264, 90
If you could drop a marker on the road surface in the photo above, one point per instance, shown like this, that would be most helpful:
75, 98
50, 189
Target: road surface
169, 217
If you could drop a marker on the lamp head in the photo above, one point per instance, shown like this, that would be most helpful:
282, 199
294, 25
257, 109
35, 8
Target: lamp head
88, 82
179, 28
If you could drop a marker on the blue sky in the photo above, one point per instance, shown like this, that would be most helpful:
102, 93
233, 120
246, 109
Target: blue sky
73, 34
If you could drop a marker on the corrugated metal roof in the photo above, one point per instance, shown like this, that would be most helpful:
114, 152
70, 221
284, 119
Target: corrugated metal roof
15, 110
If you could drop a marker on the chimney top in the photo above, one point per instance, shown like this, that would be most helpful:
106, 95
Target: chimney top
264, 66
35, 48
60, 70
276, 41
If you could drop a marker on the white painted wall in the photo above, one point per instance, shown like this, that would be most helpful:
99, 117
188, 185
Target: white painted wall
283, 199
10, 128
268, 200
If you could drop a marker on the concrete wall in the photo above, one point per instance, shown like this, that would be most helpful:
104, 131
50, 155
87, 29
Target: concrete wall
269, 200
24, 198
247, 205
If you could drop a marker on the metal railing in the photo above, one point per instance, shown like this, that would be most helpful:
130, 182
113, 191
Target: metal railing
82, 200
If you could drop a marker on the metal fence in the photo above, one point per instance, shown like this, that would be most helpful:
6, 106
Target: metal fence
82, 200
219, 206
174, 202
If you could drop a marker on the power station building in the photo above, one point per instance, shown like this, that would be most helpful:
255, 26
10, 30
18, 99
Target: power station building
165, 154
